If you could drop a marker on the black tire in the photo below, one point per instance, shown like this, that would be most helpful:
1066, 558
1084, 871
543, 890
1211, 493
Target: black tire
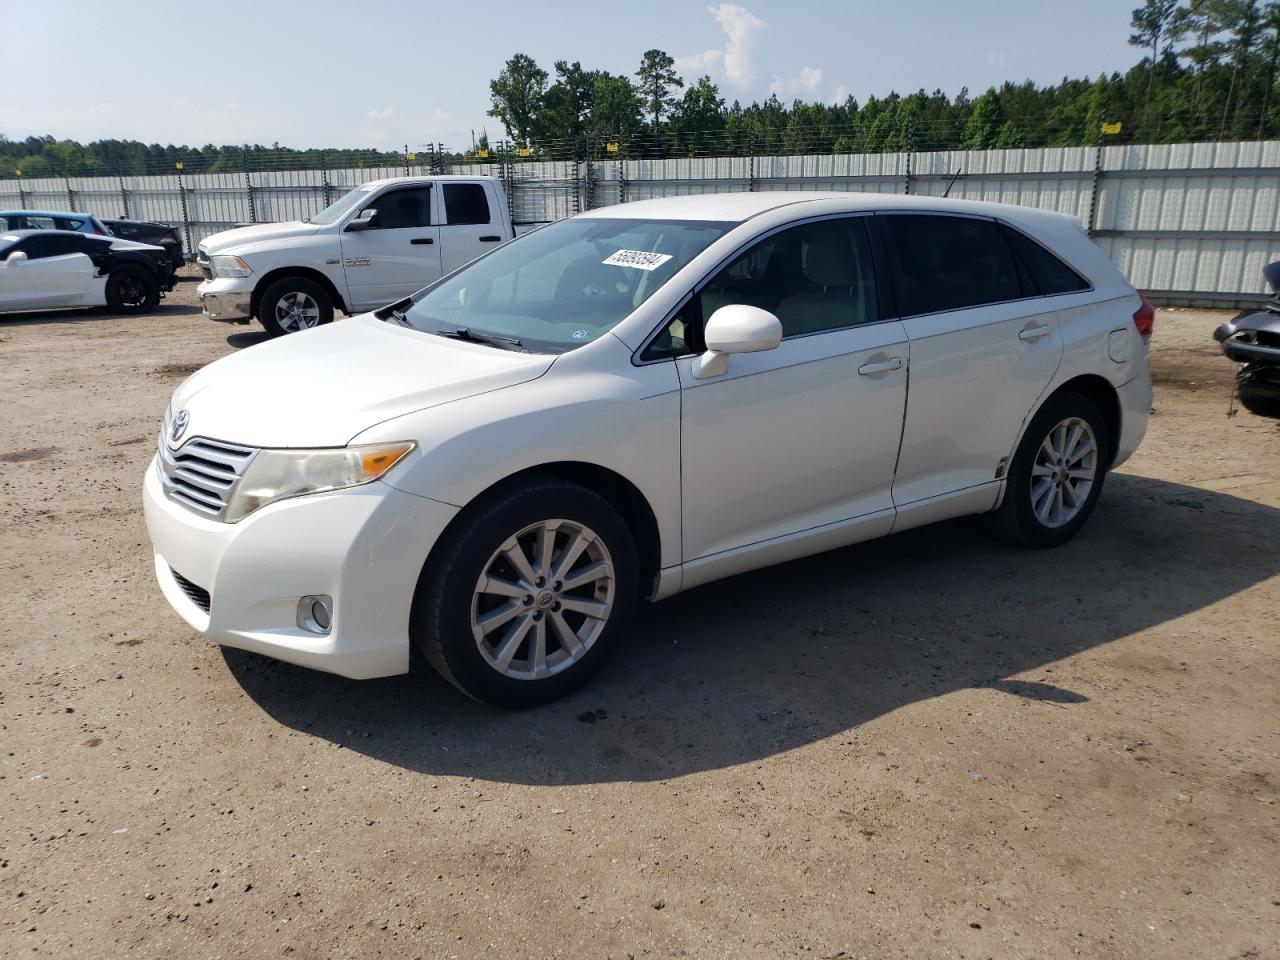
1016, 517
441, 620
1264, 403
132, 289
292, 287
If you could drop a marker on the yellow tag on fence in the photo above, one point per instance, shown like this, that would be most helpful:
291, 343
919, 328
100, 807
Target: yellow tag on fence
611, 146
410, 157
1111, 128
482, 154
178, 165
523, 151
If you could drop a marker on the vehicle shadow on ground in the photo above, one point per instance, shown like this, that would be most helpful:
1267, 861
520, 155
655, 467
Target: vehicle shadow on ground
768, 661
94, 314
247, 338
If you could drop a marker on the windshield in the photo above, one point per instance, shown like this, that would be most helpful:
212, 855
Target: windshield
564, 285
335, 210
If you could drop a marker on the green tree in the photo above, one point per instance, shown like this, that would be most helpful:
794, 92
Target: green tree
516, 96
615, 108
697, 121
657, 82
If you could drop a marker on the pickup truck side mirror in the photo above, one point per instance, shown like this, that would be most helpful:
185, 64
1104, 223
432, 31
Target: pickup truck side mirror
364, 219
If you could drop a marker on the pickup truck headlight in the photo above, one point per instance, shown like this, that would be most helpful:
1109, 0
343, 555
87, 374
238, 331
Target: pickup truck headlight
225, 265
279, 474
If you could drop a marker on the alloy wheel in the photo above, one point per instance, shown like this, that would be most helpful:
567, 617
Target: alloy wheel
1064, 471
543, 599
297, 311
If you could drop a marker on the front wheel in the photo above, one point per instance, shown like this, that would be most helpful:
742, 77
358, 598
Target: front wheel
292, 304
526, 596
132, 290
1057, 472
1257, 395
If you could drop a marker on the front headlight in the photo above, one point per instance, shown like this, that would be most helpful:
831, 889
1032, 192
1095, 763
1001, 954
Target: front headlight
278, 474
225, 265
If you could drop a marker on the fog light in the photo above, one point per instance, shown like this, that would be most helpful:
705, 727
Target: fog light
315, 614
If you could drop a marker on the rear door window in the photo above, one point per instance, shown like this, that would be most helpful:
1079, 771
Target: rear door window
949, 263
466, 203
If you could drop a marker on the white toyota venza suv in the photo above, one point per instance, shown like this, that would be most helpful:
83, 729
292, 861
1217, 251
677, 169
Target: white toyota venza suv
633, 402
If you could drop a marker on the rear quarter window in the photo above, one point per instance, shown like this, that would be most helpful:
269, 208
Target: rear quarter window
1050, 274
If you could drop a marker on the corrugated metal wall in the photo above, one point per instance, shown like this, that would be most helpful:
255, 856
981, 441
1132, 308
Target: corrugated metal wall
1191, 222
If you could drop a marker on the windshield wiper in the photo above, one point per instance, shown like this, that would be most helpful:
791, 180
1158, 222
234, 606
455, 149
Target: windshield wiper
490, 339
395, 311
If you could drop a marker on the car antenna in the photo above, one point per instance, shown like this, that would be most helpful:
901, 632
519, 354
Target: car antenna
947, 192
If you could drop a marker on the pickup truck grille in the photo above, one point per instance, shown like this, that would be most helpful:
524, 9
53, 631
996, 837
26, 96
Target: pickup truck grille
202, 261
202, 474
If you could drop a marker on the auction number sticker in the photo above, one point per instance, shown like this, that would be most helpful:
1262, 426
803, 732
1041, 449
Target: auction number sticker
638, 259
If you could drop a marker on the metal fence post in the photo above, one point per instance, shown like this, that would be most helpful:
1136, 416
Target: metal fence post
186, 219
1096, 183
248, 186
324, 179
622, 172
22, 194
406, 159
751, 162
589, 183
911, 147
71, 198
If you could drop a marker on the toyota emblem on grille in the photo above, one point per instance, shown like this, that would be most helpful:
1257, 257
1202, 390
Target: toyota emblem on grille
179, 425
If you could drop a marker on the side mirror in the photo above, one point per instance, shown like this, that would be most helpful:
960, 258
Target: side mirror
364, 219
736, 328
15, 258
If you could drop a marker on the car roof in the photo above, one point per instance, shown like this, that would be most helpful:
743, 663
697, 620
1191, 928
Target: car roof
740, 207
424, 179
27, 232
45, 213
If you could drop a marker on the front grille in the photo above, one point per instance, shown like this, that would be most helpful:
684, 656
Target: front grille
197, 595
202, 261
202, 474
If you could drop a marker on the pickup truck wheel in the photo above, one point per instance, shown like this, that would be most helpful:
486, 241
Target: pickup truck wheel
528, 593
132, 290
292, 304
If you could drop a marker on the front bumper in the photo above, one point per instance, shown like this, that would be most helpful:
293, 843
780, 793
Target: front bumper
220, 300
364, 547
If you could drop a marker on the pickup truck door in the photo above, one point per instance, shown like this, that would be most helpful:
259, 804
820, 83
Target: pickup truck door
398, 254
471, 224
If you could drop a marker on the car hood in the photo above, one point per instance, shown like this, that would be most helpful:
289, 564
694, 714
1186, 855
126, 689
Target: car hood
321, 387
259, 232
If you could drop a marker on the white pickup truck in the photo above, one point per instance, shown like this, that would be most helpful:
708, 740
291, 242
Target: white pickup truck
374, 246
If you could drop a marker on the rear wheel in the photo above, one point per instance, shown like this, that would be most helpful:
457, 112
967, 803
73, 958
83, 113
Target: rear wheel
1057, 472
292, 304
526, 597
132, 290
1264, 399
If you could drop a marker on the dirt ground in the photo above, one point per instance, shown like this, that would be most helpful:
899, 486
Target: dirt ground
934, 745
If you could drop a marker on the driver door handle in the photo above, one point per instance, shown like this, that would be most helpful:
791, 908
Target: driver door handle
422, 240
490, 238
880, 366
1035, 332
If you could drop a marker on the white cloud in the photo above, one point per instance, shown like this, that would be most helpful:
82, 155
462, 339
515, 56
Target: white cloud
997, 61
386, 113
742, 29
737, 61
806, 83
838, 96
697, 64
440, 115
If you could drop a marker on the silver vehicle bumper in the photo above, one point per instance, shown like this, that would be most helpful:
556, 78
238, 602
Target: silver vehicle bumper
227, 307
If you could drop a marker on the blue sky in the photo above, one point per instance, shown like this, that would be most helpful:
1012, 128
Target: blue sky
386, 73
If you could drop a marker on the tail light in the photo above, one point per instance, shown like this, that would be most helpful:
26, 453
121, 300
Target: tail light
1144, 319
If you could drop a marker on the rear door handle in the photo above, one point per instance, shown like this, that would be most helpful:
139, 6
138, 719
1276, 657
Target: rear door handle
490, 238
417, 240
880, 366
1035, 332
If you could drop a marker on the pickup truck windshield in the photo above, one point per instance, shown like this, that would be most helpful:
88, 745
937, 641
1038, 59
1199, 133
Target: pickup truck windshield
340, 206
564, 285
